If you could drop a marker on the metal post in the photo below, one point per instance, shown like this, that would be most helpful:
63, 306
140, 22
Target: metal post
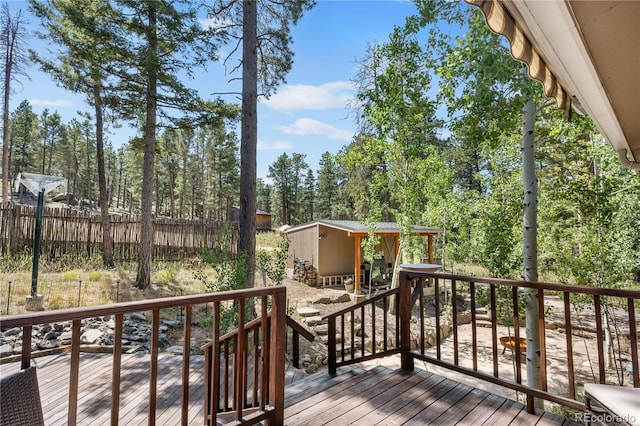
36, 244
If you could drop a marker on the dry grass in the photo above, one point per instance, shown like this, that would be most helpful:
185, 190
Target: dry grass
66, 286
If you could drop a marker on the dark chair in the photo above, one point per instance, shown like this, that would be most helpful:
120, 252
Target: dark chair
20, 399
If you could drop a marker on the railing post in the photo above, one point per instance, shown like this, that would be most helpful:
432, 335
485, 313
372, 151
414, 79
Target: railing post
278, 349
404, 317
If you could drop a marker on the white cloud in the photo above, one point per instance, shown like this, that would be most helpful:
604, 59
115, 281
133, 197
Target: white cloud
297, 97
51, 103
274, 146
215, 23
308, 126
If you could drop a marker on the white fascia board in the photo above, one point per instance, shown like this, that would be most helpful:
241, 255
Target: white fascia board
554, 30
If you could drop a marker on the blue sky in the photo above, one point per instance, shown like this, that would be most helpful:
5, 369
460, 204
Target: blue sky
308, 114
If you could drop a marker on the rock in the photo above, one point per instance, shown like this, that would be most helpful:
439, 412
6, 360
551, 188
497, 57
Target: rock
307, 311
343, 298
322, 329
315, 320
47, 344
137, 316
91, 336
325, 339
177, 350
13, 331
323, 300
464, 318
6, 350
311, 369
50, 335
170, 323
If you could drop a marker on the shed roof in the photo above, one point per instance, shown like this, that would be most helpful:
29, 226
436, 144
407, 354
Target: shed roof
356, 227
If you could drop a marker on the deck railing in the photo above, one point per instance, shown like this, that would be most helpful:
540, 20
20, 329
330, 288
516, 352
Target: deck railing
348, 330
236, 356
269, 392
426, 329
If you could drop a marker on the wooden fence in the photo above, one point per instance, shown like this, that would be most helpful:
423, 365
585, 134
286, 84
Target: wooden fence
68, 232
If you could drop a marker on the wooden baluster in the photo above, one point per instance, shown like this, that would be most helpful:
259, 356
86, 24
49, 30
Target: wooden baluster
385, 305
599, 337
436, 289
420, 286
543, 340
373, 328
516, 332
239, 363
567, 327
74, 373
633, 333
266, 353
454, 320
153, 369
474, 332
186, 358
494, 331
115, 372
331, 342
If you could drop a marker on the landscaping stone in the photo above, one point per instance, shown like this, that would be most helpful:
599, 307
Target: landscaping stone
47, 344
315, 320
6, 350
91, 336
322, 329
136, 316
343, 298
177, 350
307, 311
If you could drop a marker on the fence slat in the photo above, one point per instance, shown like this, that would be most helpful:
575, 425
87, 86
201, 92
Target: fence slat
67, 232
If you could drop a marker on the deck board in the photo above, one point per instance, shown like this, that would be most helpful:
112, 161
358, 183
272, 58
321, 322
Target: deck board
359, 395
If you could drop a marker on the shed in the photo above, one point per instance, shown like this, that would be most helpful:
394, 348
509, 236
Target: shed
334, 249
263, 218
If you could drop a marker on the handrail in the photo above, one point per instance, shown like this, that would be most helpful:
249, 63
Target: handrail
411, 296
33, 318
268, 370
295, 325
297, 331
538, 285
374, 299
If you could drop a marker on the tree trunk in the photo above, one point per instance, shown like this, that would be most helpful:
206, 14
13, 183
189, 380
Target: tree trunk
143, 278
248, 137
107, 254
5, 125
530, 248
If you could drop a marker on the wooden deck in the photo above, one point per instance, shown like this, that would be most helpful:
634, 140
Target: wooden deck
364, 395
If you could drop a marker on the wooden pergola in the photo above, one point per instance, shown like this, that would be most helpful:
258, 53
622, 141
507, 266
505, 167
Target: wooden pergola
387, 230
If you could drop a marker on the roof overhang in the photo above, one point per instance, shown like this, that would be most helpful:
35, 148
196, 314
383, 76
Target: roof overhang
355, 228
591, 50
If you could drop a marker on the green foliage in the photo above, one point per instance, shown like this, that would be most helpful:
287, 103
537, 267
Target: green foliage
168, 274
290, 190
230, 273
273, 263
95, 275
